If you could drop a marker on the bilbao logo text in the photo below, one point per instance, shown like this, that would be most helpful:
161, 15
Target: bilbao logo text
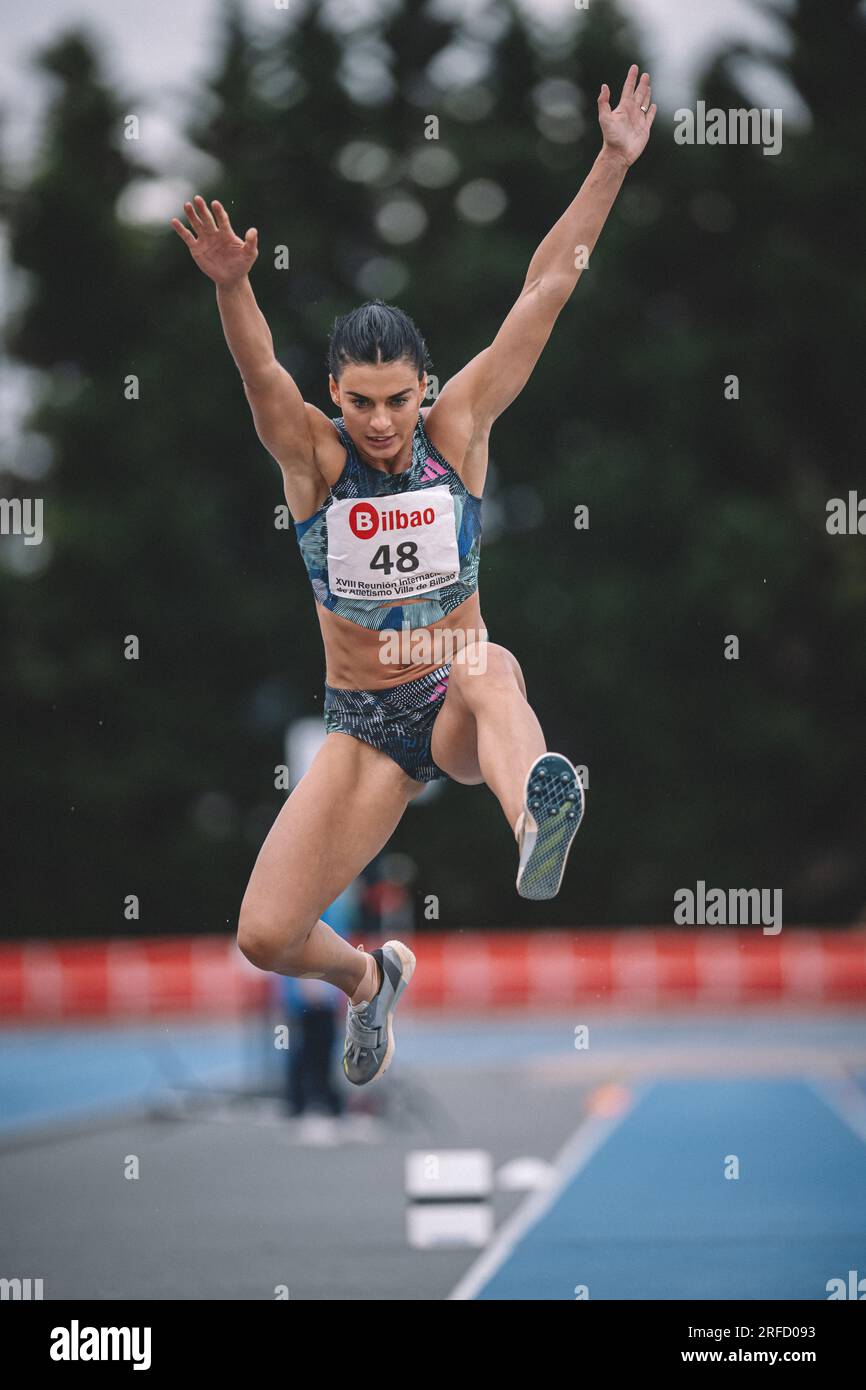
366, 521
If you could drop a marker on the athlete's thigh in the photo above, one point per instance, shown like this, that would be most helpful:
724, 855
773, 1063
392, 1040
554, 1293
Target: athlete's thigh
340, 815
454, 740
454, 743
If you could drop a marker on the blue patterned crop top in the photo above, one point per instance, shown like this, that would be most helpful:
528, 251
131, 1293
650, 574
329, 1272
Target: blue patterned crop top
394, 554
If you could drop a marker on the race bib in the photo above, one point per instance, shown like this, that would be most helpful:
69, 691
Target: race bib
391, 548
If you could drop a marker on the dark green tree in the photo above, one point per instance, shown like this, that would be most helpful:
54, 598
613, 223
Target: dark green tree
707, 515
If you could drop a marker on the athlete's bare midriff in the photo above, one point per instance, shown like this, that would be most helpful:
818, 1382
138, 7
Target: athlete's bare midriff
353, 654
356, 657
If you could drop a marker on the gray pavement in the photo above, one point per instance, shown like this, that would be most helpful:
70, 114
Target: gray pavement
227, 1206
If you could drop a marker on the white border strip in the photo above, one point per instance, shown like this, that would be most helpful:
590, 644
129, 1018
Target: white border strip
844, 1097
572, 1157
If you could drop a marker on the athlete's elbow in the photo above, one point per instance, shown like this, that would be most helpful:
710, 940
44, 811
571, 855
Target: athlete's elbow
260, 377
552, 292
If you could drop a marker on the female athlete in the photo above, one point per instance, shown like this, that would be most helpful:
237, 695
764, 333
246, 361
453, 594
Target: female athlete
386, 503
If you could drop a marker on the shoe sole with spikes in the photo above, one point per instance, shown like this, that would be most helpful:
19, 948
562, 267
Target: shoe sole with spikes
553, 807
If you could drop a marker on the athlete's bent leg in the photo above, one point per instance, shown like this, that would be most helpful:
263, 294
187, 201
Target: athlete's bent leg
338, 818
486, 730
490, 733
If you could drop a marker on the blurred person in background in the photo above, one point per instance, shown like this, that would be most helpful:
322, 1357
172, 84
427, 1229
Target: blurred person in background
311, 1008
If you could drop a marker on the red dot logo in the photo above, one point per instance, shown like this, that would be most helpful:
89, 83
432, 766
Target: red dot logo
364, 520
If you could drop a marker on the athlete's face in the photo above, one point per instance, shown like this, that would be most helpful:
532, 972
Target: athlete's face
379, 404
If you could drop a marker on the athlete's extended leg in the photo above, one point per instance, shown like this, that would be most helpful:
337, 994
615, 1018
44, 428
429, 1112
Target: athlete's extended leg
336, 820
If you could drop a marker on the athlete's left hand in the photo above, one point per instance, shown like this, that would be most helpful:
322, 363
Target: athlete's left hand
626, 129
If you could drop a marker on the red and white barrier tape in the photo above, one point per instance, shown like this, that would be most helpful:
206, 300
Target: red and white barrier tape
469, 971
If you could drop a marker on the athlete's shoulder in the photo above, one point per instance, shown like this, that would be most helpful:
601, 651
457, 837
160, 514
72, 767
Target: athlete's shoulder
439, 430
329, 450
458, 443
323, 427
327, 431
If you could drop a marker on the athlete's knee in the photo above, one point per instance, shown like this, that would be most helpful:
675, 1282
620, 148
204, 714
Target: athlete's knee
498, 672
268, 941
517, 671
255, 941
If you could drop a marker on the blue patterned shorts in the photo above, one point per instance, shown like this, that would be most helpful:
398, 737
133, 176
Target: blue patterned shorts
398, 720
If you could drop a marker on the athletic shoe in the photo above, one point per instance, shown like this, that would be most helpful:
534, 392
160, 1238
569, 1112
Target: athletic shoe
370, 1027
553, 806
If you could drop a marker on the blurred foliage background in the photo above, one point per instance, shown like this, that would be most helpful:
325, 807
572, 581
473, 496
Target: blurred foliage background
707, 515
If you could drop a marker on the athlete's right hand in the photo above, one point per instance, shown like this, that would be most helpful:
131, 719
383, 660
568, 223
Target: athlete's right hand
215, 248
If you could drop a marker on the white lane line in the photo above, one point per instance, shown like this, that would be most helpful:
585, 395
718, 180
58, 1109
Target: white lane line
844, 1097
572, 1157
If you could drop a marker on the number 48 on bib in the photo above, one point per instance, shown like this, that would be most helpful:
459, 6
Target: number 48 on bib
392, 547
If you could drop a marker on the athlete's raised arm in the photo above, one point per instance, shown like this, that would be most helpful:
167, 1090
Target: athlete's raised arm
491, 381
280, 413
